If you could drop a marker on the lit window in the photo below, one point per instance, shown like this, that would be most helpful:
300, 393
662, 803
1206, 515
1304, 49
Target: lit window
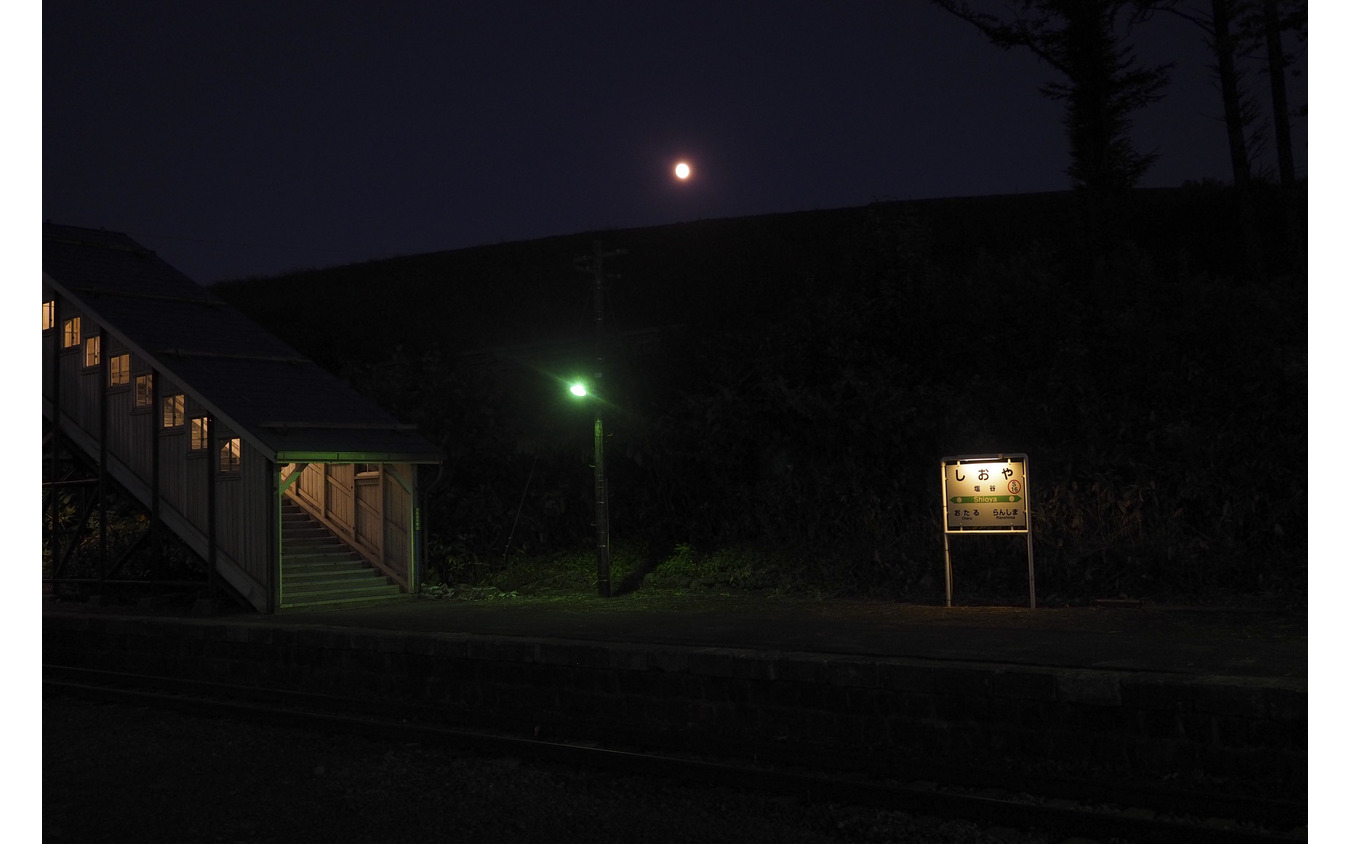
92, 347
48, 315
173, 410
119, 370
145, 390
200, 433
229, 456
70, 333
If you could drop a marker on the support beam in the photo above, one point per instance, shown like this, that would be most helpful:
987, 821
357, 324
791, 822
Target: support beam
275, 553
102, 451
53, 523
156, 469
212, 455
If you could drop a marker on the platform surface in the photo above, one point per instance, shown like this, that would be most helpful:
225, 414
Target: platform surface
1253, 643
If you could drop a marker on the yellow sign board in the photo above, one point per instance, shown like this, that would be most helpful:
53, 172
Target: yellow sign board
985, 494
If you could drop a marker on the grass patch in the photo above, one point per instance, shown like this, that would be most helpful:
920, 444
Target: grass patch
635, 576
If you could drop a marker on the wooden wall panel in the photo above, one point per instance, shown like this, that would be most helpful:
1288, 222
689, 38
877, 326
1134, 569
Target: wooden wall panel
51, 346
255, 501
194, 498
143, 439
172, 445
339, 495
397, 521
70, 362
242, 502
368, 532
309, 488
120, 421
90, 380
231, 520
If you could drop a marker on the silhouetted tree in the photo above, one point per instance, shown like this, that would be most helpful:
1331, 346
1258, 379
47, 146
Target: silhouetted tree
1251, 30
1101, 85
1264, 24
1238, 117
1278, 17
1234, 30
1217, 20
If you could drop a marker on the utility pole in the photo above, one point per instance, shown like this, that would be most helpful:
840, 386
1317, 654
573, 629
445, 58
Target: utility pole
595, 264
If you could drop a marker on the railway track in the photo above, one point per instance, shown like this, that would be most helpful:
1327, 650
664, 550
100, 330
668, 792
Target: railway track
1056, 806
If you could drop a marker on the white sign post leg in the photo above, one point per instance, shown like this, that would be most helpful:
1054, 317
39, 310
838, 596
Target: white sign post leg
1031, 570
947, 556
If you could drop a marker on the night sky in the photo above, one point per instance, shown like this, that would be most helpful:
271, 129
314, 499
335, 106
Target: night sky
253, 138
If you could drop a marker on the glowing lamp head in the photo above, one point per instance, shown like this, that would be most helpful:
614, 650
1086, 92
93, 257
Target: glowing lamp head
578, 390
682, 171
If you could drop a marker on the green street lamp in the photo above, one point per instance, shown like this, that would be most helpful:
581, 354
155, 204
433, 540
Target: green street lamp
594, 266
579, 390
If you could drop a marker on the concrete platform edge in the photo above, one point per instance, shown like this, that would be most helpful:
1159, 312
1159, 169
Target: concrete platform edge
1146, 724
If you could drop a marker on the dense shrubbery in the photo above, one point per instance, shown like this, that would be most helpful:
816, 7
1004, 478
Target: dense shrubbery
1163, 408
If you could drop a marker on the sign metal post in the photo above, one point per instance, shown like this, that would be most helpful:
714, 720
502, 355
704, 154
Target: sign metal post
986, 493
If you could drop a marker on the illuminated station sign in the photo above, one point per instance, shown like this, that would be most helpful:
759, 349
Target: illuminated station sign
985, 494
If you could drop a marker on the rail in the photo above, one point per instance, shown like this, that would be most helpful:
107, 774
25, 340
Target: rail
1102, 811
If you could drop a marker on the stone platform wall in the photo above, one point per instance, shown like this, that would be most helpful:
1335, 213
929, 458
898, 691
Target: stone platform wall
890, 711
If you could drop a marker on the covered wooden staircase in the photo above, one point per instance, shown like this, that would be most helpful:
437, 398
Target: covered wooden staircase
320, 571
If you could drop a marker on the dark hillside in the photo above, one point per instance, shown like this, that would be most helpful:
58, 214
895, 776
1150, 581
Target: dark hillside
811, 370
706, 272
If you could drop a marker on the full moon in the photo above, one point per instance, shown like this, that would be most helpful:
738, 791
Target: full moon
682, 170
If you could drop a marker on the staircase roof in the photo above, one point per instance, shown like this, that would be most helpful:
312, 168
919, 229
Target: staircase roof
250, 380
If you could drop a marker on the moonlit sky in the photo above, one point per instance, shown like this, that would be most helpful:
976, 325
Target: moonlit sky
253, 138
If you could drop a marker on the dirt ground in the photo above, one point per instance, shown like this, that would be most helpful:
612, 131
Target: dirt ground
113, 773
